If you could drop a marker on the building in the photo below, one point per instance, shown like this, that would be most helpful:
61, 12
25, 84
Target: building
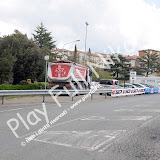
142, 52
94, 57
132, 60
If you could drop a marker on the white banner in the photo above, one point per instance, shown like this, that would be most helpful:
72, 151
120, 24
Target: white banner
128, 91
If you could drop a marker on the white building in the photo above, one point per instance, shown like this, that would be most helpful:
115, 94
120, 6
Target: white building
94, 58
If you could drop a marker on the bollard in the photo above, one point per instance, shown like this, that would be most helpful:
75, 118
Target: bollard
43, 98
3, 99
91, 96
72, 98
105, 95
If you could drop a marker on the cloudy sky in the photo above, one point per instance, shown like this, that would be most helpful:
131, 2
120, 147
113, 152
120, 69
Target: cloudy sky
114, 25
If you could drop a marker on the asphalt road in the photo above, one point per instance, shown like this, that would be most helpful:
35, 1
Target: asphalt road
125, 128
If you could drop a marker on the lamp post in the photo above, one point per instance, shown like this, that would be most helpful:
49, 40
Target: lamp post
85, 43
46, 58
69, 43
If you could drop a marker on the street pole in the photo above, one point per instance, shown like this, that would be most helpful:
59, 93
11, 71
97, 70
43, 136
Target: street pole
46, 58
124, 80
69, 43
85, 43
46, 75
124, 75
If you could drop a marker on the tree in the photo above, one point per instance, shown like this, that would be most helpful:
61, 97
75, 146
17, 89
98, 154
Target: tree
139, 71
43, 38
55, 56
29, 65
149, 63
6, 68
89, 51
74, 57
120, 67
75, 54
20, 59
89, 55
102, 75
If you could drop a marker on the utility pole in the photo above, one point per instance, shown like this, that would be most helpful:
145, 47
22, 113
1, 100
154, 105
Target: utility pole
85, 43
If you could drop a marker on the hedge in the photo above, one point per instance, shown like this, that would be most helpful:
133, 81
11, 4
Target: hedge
32, 86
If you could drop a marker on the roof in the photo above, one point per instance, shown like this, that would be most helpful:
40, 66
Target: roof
134, 57
67, 61
148, 50
78, 51
57, 49
62, 61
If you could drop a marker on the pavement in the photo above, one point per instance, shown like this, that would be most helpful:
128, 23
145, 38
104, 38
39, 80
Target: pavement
124, 128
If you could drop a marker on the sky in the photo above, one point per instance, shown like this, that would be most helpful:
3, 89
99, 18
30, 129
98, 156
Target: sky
115, 26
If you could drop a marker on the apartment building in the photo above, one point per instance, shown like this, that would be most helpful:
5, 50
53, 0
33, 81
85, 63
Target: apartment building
142, 52
93, 57
132, 60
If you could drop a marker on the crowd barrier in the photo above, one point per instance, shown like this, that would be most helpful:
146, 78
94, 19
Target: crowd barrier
152, 90
126, 92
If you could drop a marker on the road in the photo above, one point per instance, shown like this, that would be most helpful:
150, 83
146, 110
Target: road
124, 128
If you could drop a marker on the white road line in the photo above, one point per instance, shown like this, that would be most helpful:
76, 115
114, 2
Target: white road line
102, 118
52, 126
137, 110
89, 140
93, 118
115, 118
40, 105
16, 109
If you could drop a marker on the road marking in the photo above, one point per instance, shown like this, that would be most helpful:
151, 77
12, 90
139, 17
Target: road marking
137, 110
93, 118
100, 118
54, 126
117, 118
16, 109
37, 106
89, 140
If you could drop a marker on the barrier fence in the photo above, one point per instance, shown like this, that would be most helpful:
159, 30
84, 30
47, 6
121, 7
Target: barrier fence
105, 92
4, 93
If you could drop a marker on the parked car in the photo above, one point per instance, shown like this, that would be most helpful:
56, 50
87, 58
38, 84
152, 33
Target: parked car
129, 85
141, 85
94, 84
109, 83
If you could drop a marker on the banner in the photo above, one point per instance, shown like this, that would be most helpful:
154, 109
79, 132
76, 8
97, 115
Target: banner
126, 92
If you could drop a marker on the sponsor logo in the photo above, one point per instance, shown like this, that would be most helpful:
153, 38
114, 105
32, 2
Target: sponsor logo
59, 70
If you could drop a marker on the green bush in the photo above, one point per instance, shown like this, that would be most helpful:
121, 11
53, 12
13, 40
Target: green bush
32, 86
23, 82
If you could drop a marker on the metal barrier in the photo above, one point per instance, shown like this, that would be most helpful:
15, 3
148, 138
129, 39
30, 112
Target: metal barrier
4, 93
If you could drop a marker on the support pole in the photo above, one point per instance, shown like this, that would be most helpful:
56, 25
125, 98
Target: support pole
3, 99
105, 95
43, 98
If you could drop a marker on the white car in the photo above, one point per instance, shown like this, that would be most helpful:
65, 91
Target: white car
128, 85
141, 85
94, 84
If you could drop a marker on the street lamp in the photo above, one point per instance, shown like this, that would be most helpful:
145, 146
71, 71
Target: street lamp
85, 43
69, 43
46, 58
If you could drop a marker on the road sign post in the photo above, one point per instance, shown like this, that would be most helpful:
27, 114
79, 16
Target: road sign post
133, 77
